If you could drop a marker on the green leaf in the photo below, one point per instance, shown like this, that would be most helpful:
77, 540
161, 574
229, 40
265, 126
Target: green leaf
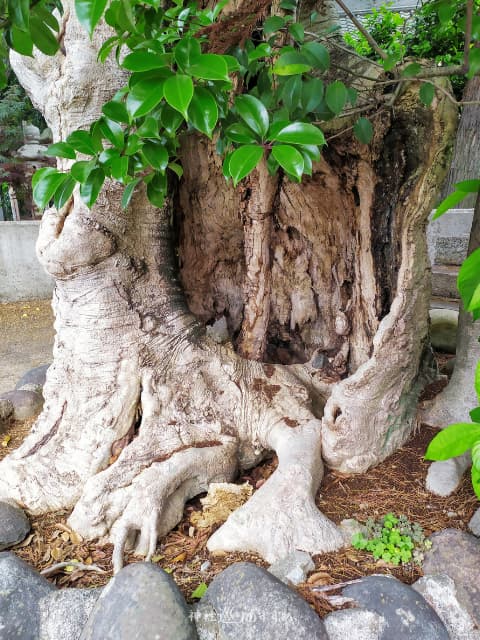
468, 281
116, 111
43, 38
300, 133
446, 11
148, 128
209, 66
468, 186
411, 70
90, 189
178, 92
449, 203
272, 24
203, 111
312, 94
156, 155
289, 159
253, 112
240, 133
45, 183
453, 441
157, 189
363, 130
145, 61
89, 13
262, 51
475, 414
81, 170
199, 591
63, 193
297, 32
21, 41
291, 63
82, 141
144, 96
317, 55
476, 480
46, 16
243, 161
477, 380
128, 193
176, 168
292, 92
119, 167
61, 150
19, 13
187, 52
336, 96
112, 132
171, 119
427, 93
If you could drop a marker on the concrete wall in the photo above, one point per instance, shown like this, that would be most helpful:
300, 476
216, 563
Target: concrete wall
360, 7
21, 275
448, 237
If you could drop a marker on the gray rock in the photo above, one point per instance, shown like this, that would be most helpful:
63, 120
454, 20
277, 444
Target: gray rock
34, 379
251, 604
367, 624
441, 593
474, 523
26, 404
444, 476
14, 525
451, 250
443, 329
457, 554
141, 602
64, 613
407, 614
6, 410
293, 569
350, 527
444, 281
206, 621
21, 589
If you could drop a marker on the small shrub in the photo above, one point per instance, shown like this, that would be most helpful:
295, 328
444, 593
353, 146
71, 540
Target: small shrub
394, 540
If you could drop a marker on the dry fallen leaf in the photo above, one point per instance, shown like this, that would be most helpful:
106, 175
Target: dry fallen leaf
319, 577
180, 558
65, 536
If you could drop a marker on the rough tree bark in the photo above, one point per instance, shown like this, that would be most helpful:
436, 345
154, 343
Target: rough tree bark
143, 410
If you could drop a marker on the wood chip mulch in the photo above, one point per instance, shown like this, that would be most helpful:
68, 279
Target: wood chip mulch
397, 485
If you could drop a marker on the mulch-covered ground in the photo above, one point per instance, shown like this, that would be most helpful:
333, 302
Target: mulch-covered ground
397, 485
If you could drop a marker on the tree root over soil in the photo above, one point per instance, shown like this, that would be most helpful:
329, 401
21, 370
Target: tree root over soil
397, 485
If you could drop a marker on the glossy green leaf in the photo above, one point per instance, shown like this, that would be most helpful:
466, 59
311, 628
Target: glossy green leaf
312, 94
240, 133
427, 93
209, 66
89, 12
300, 133
475, 474
289, 159
46, 15
148, 128
262, 51
19, 13
82, 169
61, 150
297, 31
176, 168
63, 193
272, 24
116, 111
145, 61
475, 414
21, 41
107, 156
171, 119
107, 47
253, 112
46, 184
317, 55
43, 37
112, 132
468, 281
187, 52
477, 380
336, 96
157, 189
128, 192
243, 161
82, 141
449, 203
363, 130
292, 92
453, 441
178, 92
468, 186
291, 63
119, 167
144, 96
90, 189
156, 155
203, 111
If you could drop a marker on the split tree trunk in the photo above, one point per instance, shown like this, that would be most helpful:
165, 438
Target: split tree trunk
143, 410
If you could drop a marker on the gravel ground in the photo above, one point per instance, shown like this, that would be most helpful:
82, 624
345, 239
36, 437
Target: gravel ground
26, 339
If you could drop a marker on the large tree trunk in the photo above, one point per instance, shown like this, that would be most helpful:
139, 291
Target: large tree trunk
143, 410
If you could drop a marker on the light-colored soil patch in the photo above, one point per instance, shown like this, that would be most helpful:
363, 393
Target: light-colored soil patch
26, 339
